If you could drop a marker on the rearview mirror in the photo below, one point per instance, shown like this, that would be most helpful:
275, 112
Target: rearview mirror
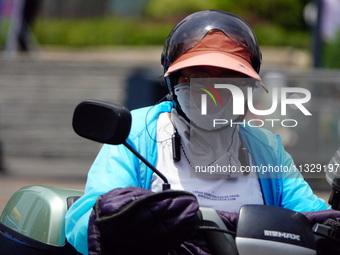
102, 122
108, 123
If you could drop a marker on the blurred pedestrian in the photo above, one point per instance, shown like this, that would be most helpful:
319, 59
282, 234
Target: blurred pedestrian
19, 37
330, 21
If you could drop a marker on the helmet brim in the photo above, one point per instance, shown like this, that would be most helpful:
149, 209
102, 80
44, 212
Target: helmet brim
215, 59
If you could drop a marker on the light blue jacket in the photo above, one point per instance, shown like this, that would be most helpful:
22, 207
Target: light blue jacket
116, 166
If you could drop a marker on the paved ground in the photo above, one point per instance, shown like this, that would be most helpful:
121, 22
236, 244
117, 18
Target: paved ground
37, 98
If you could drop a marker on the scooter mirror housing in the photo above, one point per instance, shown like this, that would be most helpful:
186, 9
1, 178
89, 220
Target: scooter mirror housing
102, 122
273, 230
108, 123
333, 178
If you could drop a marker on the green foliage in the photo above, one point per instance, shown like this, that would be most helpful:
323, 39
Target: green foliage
276, 23
164, 9
331, 54
274, 35
285, 13
132, 31
4, 25
100, 32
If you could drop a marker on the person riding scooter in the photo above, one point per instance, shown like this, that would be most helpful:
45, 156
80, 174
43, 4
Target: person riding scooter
179, 137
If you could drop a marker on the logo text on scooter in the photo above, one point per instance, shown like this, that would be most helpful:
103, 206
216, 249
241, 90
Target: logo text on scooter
282, 235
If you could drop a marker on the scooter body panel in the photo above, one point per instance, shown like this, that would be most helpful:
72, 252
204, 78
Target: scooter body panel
38, 212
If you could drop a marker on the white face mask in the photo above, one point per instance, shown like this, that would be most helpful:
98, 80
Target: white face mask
190, 98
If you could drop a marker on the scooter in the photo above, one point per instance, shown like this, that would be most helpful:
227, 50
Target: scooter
33, 219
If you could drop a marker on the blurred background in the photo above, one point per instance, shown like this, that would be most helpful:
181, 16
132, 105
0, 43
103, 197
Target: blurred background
55, 53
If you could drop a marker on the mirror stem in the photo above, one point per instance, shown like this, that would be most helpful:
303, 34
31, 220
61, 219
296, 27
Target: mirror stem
166, 184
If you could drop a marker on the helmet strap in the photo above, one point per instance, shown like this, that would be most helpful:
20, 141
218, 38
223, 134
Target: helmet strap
169, 81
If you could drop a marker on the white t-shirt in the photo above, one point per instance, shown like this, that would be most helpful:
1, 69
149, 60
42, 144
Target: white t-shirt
226, 194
